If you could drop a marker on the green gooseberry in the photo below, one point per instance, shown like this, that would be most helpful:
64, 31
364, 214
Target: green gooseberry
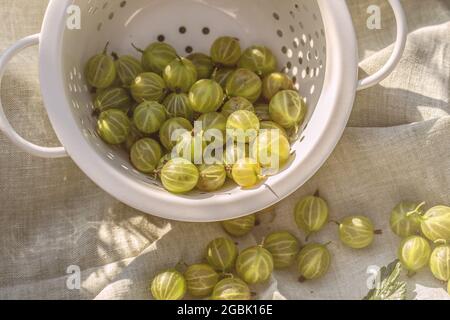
313, 261
191, 147
435, 223
272, 149
100, 70
112, 98
172, 130
128, 68
149, 116
200, 280
233, 153
311, 214
221, 254
405, 218
244, 83
212, 177
243, 124
213, 121
180, 75
226, 51
134, 136
206, 96
203, 64
287, 109
240, 227
357, 232
246, 173
254, 265
258, 59
221, 76
274, 83
262, 112
440, 262
284, 248
178, 105
148, 87
179, 176
145, 155
270, 125
414, 253
231, 289
113, 126
157, 56
236, 104
168, 285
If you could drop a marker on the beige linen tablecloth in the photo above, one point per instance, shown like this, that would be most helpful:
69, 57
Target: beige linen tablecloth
397, 146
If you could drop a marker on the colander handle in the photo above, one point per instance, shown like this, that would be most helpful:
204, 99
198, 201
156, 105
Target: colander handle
5, 126
402, 33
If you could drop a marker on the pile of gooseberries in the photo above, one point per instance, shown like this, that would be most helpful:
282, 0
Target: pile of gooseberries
227, 273
151, 106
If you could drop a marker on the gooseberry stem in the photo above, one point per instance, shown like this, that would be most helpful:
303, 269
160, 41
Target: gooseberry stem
136, 48
410, 274
317, 193
106, 48
115, 56
301, 279
378, 232
416, 210
441, 241
335, 222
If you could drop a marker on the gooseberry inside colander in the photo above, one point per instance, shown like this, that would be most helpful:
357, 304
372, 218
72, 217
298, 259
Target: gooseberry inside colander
314, 42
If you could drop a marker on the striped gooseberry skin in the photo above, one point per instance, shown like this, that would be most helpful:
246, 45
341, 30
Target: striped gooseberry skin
145, 155
134, 136
191, 147
168, 285
244, 83
405, 219
440, 262
313, 261
213, 120
212, 177
128, 68
435, 224
179, 176
203, 64
206, 96
287, 109
242, 125
356, 232
226, 51
114, 98
246, 173
311, 214
221, 76
236, 104
157, 56
113, 126
221, 254
272, 149
274, 83
258, 59
241, 226
262, 112
270, 125
100, 71
201, 280
414, 253
178, 105
254, 265
148, 86
284, 248
149, 116
231, 289
180, 75
172, 130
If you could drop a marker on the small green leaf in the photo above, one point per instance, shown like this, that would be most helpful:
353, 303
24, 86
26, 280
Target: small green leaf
391, 288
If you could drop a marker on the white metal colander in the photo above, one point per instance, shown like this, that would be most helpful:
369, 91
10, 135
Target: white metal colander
314, 41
